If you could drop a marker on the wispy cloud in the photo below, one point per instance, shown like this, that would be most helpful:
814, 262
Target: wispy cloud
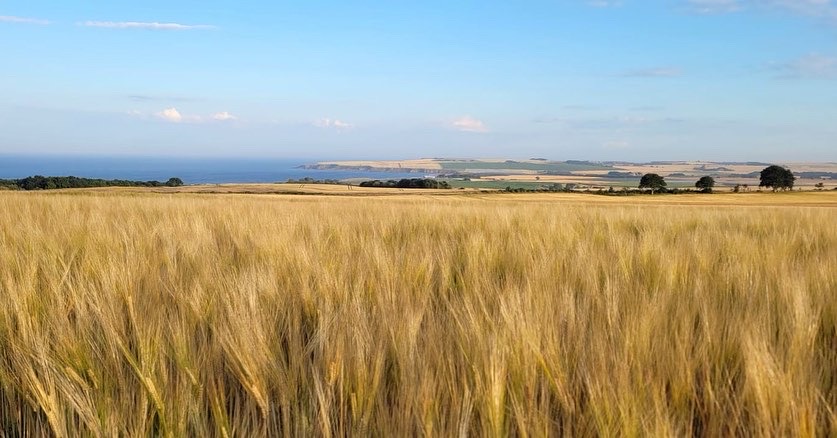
22, 20
141, 98
145, 25
604, 3
616, 144
630, 121
807, 67
714, 6
469, 124
579, 107
224, 116
151, 98
824, 9
646, 108
173, 115
656, 72
817, 8
327, 123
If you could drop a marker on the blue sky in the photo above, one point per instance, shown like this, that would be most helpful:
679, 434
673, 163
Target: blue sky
622, 80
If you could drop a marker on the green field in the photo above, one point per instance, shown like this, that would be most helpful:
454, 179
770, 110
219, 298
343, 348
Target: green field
486, 184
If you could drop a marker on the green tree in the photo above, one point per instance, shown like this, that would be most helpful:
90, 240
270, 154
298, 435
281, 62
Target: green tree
705, 183
777, 177
652, 181
174, 182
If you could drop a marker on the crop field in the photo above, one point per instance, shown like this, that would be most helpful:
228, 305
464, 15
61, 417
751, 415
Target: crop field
132, 312
512, 165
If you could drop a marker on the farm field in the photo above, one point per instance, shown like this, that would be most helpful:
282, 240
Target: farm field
494, 173
246, 310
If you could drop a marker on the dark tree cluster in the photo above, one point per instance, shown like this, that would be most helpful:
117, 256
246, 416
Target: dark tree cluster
412, 183
652, 181
705, 183
39, 182
555, 187
309, 180
777, 178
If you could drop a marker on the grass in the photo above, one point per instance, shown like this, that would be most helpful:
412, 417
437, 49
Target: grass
136, 313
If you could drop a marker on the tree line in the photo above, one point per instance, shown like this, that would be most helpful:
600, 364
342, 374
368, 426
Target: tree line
39, 182
774, 177
309, 180
411, 183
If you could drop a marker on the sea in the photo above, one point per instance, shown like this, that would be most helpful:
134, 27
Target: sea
190, 170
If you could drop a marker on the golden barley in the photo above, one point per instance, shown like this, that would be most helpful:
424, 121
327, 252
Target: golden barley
130, 313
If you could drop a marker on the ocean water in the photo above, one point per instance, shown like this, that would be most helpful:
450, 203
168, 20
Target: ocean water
190, 170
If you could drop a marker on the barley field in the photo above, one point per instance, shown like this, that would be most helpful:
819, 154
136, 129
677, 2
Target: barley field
182, 314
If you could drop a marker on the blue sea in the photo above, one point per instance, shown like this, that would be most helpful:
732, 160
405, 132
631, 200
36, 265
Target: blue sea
190, 170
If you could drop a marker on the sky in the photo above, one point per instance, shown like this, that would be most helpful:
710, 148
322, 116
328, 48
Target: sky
636, 80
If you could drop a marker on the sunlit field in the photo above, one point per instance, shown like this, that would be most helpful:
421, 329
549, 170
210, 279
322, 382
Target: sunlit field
180, 314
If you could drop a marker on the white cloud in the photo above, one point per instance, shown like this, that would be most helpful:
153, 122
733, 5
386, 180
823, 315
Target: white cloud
469, 124
333, 124
807, 67
22, 20
224, 117
145, 25
171, 115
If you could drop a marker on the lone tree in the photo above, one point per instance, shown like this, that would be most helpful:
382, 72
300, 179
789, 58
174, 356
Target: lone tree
777, 177
652, 181
174, 182
705, 183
